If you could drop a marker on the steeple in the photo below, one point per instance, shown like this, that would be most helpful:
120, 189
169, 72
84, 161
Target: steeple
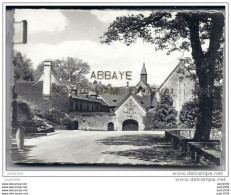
143, 74
143, 69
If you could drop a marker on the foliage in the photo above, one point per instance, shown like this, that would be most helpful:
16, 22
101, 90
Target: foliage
217, 107
22, 67
37, 112
170, 31
217, 119
181, 31
66, 121
24, 116
54, 115
164, 115
69, 70
188, 113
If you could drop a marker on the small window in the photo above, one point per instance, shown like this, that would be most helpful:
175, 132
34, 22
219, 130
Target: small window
114, 100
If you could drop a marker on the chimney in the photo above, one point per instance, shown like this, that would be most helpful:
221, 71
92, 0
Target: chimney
47, 79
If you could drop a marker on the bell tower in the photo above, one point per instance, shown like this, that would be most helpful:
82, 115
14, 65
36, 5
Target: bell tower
143, 74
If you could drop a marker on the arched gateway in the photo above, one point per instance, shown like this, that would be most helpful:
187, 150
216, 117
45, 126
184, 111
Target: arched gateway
75, 125
130, 125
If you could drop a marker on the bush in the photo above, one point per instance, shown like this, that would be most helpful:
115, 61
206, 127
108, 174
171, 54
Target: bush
188, 114
38, 113
54, 115
66, 121
25, 116
217, 119
164, 115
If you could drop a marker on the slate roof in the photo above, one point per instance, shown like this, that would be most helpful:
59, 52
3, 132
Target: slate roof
52, 73
143, 71
115, 100
145, 101
88, 98
141, 83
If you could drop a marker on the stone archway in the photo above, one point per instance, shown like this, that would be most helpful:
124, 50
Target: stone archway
110, 126
130, 125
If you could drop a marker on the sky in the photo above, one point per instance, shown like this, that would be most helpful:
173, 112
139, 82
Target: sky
56, 34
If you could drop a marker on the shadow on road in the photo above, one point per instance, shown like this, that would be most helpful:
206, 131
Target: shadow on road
159, 153
22, 156
133, 140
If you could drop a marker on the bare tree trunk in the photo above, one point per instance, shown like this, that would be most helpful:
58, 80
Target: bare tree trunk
205, 70
204, 117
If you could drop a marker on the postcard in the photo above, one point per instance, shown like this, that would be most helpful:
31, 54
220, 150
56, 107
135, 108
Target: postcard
118, 86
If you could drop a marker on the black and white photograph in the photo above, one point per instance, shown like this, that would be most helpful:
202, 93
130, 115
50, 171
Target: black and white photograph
118, 86
115, 97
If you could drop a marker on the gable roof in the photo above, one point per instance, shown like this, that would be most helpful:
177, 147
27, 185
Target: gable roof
144, 101
88, 98
142, 83
135, 98
179, 64
115, 100
52, 74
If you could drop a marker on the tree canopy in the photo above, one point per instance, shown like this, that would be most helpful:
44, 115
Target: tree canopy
188, 113
164, 116
22, 67
200, 32
70, 70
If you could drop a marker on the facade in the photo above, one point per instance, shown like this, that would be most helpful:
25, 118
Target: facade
179, 85
130, 115
109, 112
87, 103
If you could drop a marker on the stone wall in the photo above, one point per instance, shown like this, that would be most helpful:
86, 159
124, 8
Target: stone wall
93, 121
148, 121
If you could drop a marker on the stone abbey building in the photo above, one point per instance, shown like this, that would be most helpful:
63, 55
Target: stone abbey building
109, 112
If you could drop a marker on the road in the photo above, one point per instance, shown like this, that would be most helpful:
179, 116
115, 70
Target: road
98, 147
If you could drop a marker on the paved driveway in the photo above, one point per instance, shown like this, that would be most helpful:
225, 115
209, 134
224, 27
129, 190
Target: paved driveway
98, 147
